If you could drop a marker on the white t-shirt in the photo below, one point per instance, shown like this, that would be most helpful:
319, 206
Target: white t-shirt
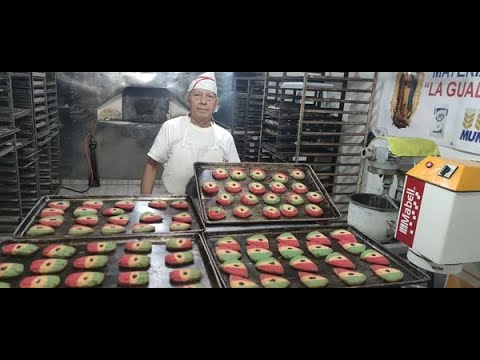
177, 148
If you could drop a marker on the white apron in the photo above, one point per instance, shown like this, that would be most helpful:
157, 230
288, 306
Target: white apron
183, 154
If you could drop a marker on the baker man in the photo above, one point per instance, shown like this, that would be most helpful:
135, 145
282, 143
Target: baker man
184, 140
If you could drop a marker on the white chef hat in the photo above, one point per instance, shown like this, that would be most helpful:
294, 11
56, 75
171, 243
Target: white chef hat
206, 81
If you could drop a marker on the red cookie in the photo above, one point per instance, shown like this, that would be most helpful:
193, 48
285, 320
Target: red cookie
224, 199
104, 247
315, 197
374, 257
183, 276
233, 187
238, 282
158, 204
228, 242
179, 258
277, 188
270, 266
134, 261
110, 212
210, 188
216, 213
242, 212
183, 217
179, 204
259, 241
256, 188
299, 188
94, 204
119, 220
90, 220
62, 205
234, 267
149, 217
317, 238
302, 263
343, 236
288, 239
289, 211
314, 210
271, 212
249, 199
85, 279
220, 174
53, 221
127, 205
51, 212
338, 260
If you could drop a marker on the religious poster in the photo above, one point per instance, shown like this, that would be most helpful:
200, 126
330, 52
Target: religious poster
440, 106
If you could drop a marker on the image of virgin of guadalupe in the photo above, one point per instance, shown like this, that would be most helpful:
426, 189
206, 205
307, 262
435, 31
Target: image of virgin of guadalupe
406, 96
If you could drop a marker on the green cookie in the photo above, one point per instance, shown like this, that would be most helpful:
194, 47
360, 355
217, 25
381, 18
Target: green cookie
59, 251
138, 246
10, 270
109, 229
227, 255
312, 281
289, 252
40, 230
272, 281
257, 254
19, 249
76, 230
143, 228
319, 250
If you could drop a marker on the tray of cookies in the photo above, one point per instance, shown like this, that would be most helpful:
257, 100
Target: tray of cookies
306, 258
58, 217
170, 261
260, 193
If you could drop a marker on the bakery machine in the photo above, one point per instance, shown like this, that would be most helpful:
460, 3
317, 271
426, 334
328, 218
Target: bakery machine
438, 217
390, 158
394, 156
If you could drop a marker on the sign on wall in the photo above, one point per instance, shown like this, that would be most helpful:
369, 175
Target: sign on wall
440, 106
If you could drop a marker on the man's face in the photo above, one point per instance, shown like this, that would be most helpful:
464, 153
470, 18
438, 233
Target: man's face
202, 103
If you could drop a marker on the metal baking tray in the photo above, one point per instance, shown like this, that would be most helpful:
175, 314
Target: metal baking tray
141, 206
203, 172
412, 275
158, 270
